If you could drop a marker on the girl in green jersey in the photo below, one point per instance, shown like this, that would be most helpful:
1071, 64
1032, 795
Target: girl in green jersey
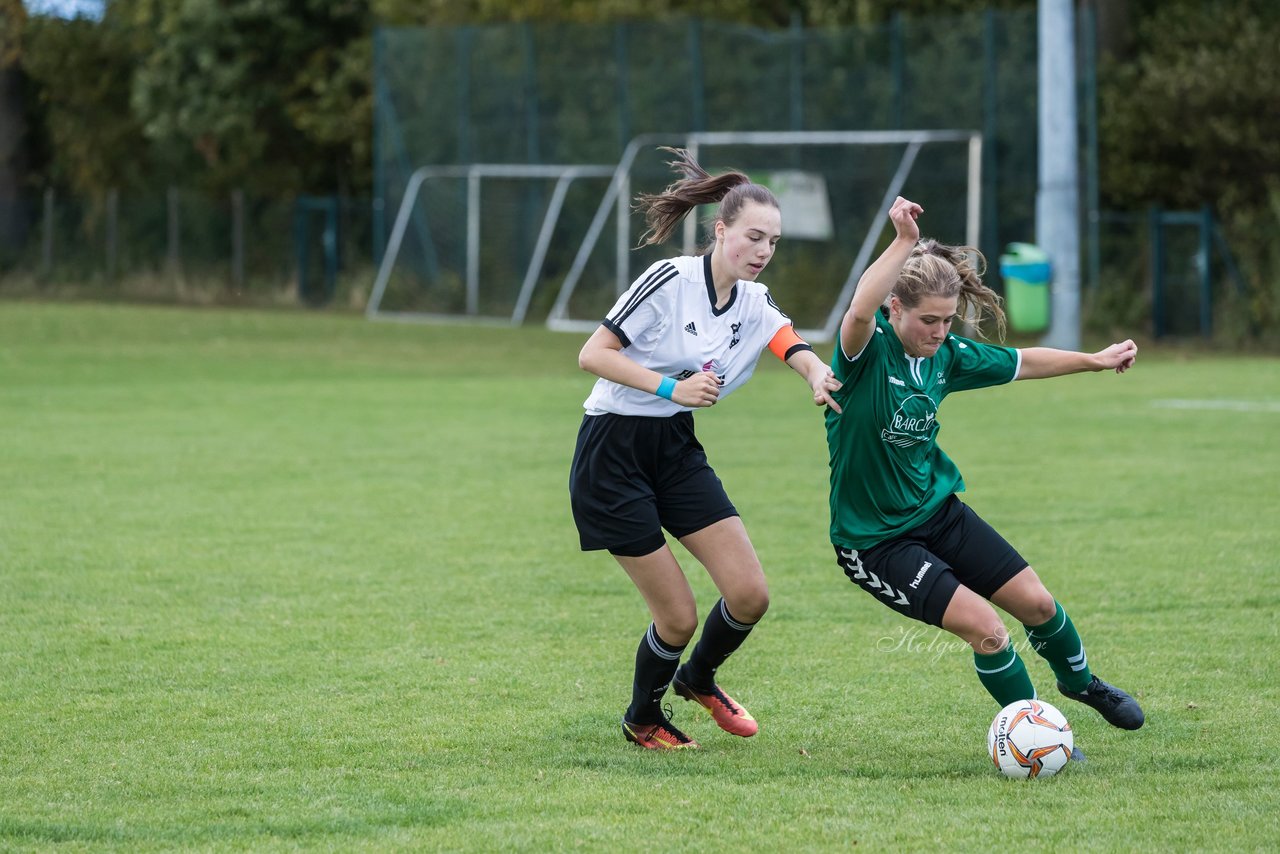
898, 528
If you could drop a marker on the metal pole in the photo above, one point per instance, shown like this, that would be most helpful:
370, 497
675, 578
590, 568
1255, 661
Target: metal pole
175, 235
1155, 231
690, 224
622, 237
46, 242
973, 201
237, 239
113, 231
473, 243
379, 202
1206, 271
1058, 191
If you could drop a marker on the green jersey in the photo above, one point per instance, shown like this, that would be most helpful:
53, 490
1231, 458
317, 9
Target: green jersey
888, 474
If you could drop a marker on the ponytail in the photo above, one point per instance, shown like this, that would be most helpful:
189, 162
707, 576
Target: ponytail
664, 211
935, 269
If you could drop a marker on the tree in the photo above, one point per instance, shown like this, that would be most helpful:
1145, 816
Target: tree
12, 123
81, 70
1192, 119
268, 93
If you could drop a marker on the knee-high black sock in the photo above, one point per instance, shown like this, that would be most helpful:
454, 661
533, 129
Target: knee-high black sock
721, 635
656, 662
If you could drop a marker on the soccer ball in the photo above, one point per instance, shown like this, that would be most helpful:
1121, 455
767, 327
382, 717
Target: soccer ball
1030, 738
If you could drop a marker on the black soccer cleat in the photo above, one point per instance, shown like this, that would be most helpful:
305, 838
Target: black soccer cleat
1115, 706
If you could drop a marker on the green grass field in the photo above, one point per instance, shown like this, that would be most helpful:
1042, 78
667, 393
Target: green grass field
287, 581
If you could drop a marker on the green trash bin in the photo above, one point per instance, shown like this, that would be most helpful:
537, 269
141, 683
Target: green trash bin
1026, 271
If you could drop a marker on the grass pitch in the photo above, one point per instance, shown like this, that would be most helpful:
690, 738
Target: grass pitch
288, 581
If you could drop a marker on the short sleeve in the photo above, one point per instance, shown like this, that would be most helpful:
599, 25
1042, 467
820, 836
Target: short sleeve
774, 317
639, 307
978, 365
848, 367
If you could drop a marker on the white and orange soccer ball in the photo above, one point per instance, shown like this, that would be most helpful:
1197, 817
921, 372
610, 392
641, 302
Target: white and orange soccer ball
1030, 738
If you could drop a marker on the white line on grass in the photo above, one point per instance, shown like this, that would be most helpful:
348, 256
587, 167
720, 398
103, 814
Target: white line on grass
1231, 405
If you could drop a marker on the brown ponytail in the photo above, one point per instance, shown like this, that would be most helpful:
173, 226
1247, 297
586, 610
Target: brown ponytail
935, 269
664, 211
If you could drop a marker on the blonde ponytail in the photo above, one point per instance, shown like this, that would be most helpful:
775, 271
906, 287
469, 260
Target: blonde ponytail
935, 269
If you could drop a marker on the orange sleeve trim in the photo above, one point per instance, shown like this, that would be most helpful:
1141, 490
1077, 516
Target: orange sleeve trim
786, 343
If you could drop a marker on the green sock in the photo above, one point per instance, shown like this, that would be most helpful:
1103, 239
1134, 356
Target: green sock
1058, 643
1004, 676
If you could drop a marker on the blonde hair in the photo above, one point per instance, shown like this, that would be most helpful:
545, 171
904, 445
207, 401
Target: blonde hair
664, 211
935, 269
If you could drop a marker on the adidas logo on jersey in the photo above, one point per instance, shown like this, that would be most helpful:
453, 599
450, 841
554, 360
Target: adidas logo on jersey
690, 328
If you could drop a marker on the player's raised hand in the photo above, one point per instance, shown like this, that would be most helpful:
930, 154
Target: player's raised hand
1119, 357
698, 390
903, 215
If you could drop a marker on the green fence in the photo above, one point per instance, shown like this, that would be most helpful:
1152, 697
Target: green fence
576, 93
1172, 273
173, 243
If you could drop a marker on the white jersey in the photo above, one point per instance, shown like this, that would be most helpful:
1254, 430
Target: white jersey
668, 322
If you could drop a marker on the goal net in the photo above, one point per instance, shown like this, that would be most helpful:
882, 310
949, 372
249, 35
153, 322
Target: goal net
835, 189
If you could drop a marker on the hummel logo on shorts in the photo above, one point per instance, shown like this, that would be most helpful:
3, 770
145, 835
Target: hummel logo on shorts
690, 328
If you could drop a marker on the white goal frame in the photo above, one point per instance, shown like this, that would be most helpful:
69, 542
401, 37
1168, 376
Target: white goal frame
564, 176
617, 197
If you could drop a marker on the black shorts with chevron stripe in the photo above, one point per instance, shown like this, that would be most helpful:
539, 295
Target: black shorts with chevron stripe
917, 573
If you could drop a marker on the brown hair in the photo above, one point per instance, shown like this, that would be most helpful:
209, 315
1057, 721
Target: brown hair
935, 269
664, 211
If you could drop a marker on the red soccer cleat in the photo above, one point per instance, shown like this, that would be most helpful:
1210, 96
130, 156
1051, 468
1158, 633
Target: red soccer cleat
659, 736
725, 711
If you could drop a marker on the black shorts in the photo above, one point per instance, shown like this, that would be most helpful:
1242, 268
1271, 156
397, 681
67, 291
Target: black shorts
917, 573
634, 475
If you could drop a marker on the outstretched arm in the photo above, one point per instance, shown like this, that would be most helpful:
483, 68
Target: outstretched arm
1043, 362
819, 377
788, 346
878, 279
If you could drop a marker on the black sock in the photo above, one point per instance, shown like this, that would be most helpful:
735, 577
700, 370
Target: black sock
656, 662
721, 635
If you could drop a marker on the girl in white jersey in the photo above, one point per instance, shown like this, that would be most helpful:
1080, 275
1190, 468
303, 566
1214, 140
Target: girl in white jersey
688, 332
899, 531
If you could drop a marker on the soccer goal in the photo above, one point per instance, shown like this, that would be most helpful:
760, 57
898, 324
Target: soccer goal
835, 189
470, 242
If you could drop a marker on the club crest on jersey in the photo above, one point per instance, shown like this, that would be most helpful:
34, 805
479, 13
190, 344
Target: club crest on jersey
712, 366
914, 423
733, 342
